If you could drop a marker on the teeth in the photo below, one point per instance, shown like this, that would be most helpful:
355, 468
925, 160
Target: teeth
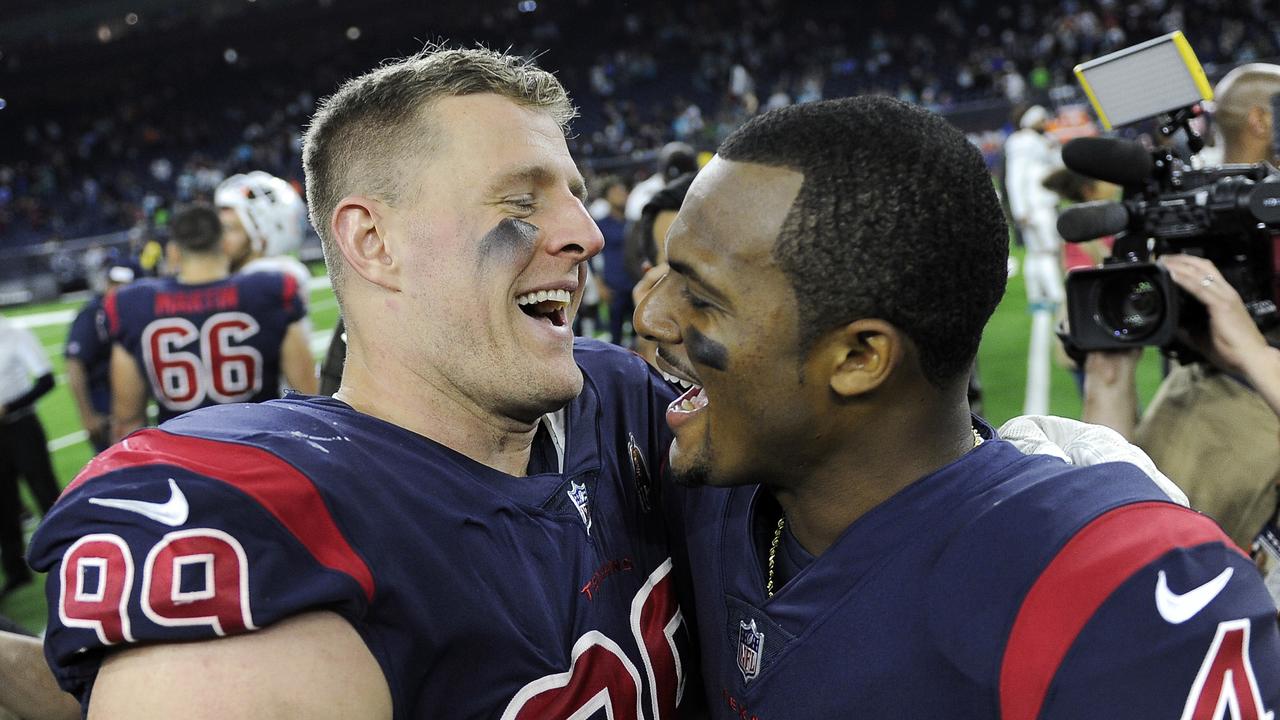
561, 296
678, 381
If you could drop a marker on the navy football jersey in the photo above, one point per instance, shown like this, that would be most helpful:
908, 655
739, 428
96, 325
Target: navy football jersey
89, 342
1000, 586
209, 343
482, 595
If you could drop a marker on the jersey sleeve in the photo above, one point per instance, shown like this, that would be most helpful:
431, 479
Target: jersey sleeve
293, 299
170, 537
1149, 611
87, 339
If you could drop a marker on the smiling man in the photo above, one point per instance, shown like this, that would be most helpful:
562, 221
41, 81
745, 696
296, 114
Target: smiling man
467, 529
878, 551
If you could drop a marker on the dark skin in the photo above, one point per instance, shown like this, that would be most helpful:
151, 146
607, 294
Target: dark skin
832, 430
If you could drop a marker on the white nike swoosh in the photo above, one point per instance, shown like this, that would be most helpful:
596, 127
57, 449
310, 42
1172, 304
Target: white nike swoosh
173, 512
1177, 609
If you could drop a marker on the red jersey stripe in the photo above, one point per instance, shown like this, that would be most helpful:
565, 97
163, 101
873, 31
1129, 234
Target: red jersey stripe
1096, 561
112, 312
275, 484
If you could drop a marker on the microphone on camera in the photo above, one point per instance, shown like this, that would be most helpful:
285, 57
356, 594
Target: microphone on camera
1090, 220
1122, 162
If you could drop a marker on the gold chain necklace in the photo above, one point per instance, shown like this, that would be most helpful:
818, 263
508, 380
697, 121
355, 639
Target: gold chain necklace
782, 523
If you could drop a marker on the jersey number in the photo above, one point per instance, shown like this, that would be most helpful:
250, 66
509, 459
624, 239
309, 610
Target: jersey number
601, 676
191, 577
1226, 681
225, 369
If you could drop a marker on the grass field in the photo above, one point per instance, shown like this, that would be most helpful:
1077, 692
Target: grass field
1002, 363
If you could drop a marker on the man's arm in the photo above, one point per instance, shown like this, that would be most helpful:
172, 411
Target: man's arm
27, 687
128, 394
97, 425
296, 361
311, 666
1111, 390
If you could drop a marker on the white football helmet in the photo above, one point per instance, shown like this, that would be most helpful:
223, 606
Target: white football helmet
270, 209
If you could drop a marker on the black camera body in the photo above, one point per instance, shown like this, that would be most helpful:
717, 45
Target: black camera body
1229, 214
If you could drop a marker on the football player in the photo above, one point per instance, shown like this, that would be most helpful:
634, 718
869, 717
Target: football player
203, 337
470, 528
88, 356
880, 552
263, 219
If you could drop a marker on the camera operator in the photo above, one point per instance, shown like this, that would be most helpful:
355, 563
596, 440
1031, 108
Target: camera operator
1212, 426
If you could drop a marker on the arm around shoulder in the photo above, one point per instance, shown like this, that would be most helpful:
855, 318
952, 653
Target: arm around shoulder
313, 666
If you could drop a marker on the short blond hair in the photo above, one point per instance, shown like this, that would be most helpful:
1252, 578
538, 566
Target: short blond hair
360, 135
1241, 90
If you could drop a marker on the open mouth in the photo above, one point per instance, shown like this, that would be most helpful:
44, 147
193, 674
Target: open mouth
685, 407
549, 306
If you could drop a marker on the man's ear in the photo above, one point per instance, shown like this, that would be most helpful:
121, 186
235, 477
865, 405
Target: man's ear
1259, 122
360, 230
861, 356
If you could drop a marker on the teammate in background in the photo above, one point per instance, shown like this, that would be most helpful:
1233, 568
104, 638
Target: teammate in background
263, 219
88, 362
25, 377
1030, 155
468, 528
875, 538
204, 337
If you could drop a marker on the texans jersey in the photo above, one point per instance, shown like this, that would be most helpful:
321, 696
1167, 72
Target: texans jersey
481, 595
89, 342
1000, 586
209, 343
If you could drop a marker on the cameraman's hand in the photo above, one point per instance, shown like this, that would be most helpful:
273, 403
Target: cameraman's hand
1234, 343
1111, 390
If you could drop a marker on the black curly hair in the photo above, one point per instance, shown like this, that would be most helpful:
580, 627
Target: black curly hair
896, 218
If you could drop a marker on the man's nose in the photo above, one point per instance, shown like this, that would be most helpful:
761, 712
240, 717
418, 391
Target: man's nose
652, 320
574, 233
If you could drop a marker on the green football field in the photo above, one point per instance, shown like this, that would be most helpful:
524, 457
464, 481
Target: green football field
1002, 363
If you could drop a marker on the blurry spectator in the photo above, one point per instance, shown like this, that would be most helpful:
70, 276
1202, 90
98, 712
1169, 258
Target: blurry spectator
25, 377
647, 252
616, 290
88, 362
1030, 155
675, 159
1210, 426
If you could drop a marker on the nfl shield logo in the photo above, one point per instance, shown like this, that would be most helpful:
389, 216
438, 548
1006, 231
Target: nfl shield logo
578, 494
750, 648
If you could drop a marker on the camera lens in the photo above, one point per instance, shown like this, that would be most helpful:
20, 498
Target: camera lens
1131, 309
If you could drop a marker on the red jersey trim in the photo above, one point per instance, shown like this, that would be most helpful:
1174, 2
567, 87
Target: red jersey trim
1096, 561
276, 485
290, 294
112, 312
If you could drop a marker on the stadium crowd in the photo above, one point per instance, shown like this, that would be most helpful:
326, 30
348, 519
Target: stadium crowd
93, 155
